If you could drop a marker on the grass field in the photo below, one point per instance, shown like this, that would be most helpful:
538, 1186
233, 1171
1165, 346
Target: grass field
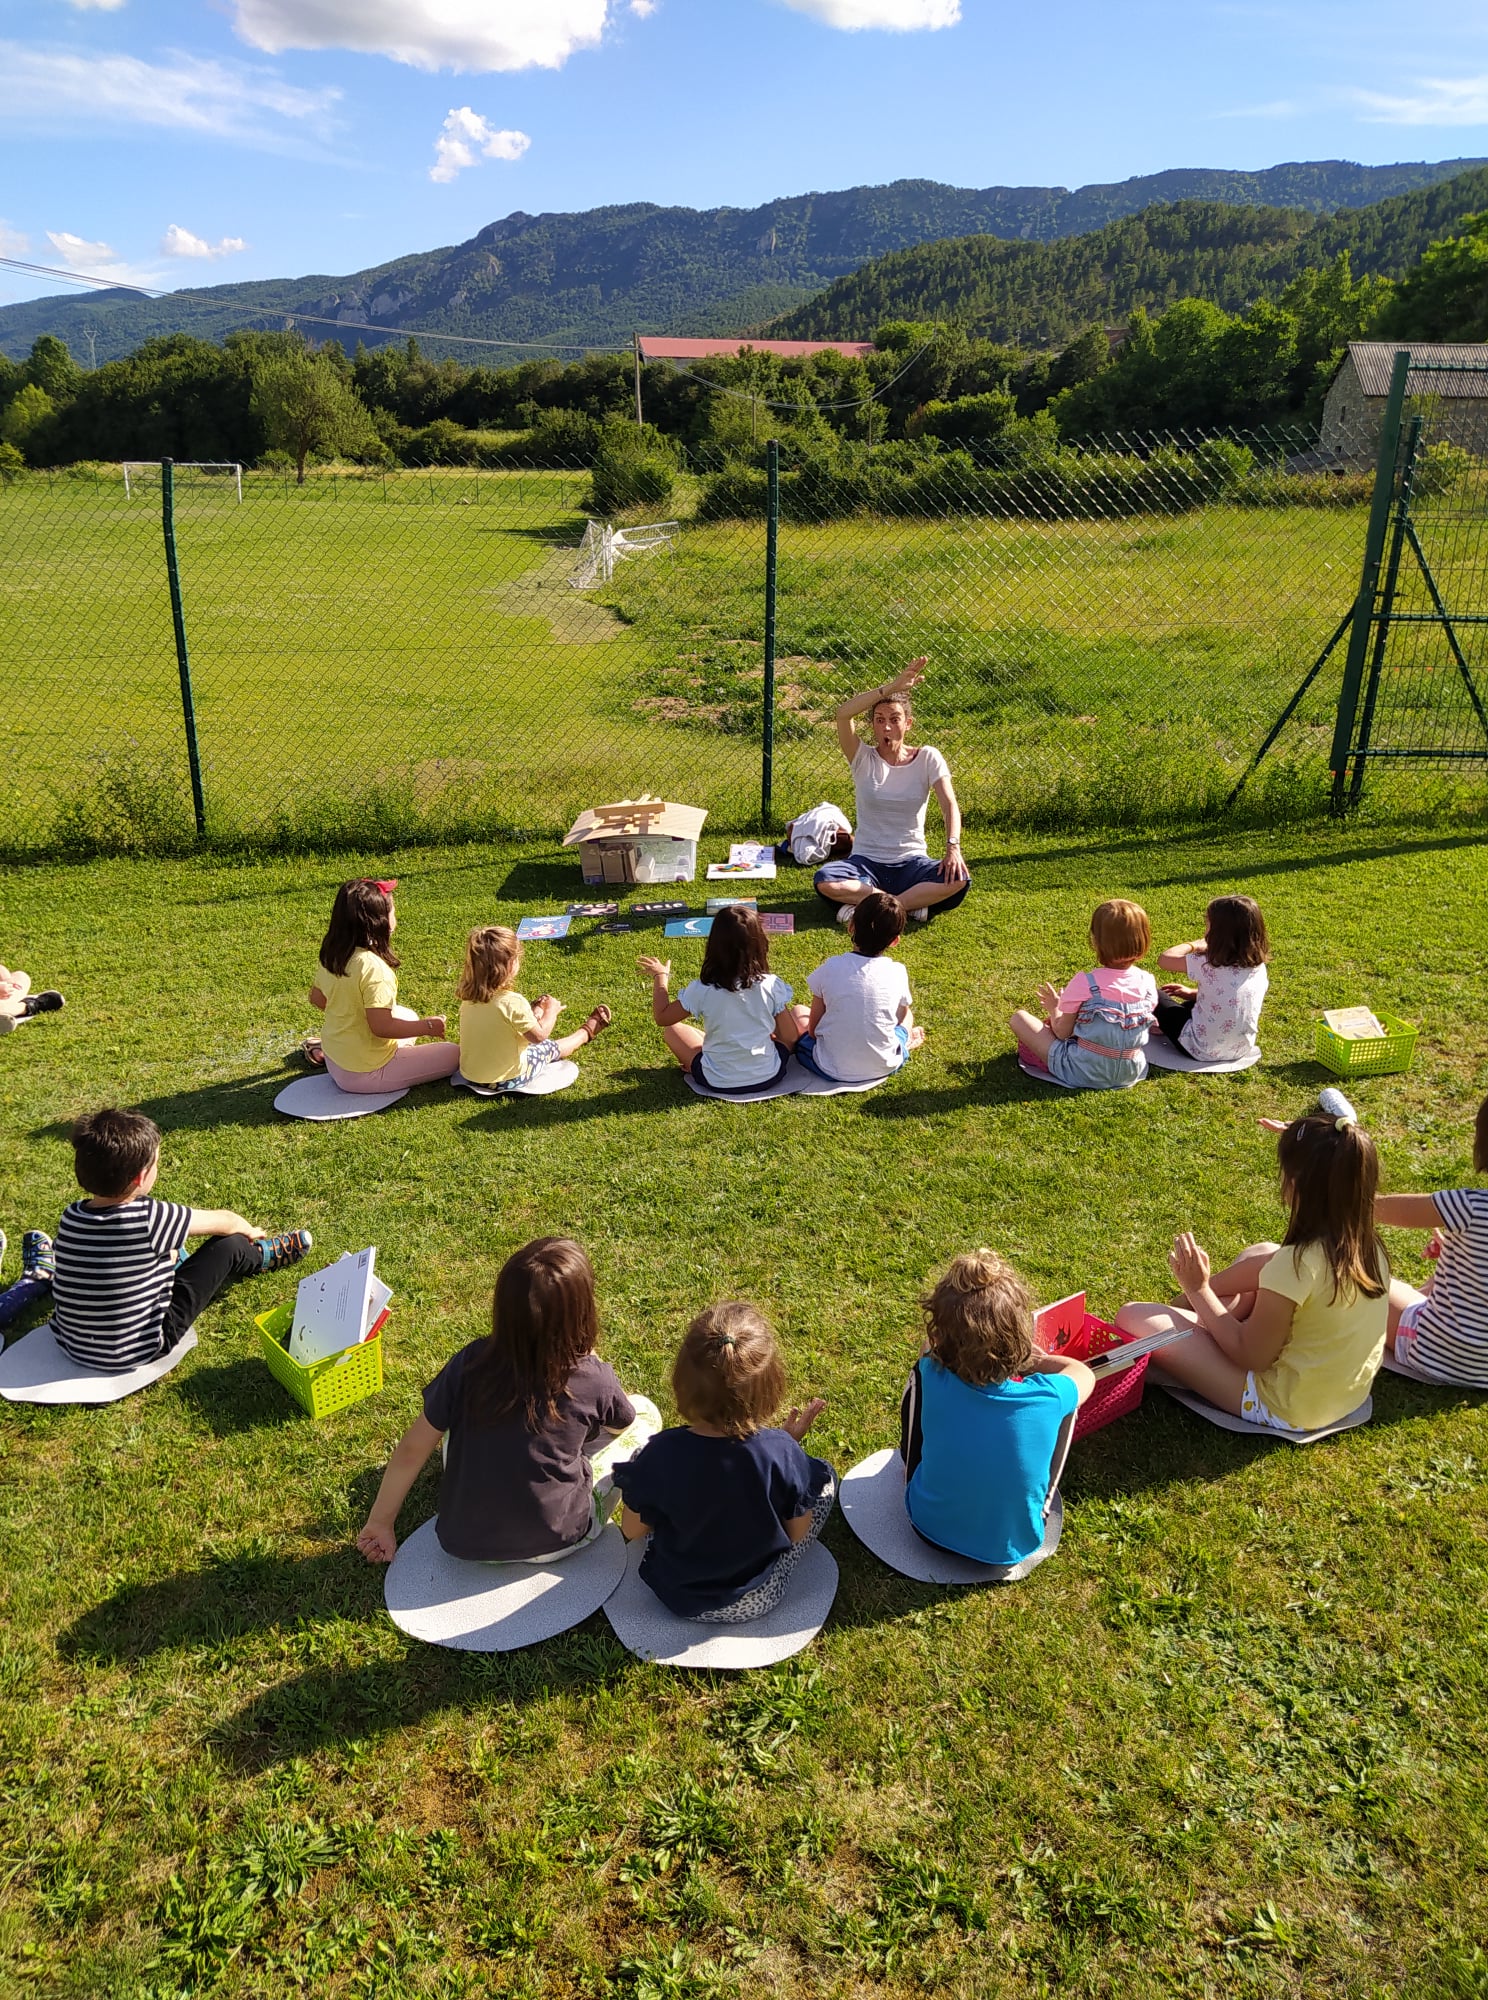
1231, 1741
402, 657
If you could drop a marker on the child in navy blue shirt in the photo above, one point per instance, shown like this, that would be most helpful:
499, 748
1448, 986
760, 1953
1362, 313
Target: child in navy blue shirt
987, 1420
729, 1501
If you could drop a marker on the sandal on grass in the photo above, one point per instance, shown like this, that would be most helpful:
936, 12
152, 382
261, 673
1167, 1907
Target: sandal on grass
598, 1020
312, 1051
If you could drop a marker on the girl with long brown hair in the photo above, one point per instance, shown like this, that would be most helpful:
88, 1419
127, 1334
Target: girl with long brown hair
1290, 1335
749, 1026
532, 1422
356, 988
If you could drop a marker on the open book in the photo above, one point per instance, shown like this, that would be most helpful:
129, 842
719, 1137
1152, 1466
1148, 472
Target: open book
1117, 1358
337, 1308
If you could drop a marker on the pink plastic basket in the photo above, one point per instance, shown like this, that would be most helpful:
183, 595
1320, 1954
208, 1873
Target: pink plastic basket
1066, 1328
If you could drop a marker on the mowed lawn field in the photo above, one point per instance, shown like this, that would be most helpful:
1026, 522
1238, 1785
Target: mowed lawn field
406, 653
1231, 1740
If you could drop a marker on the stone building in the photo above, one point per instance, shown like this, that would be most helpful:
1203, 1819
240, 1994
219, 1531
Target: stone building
1456, 402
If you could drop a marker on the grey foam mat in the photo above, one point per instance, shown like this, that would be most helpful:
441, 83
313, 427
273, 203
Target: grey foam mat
552, 1076
497, 1607
1163, 1054
798, 1081
642, 1623
34, 1369
871, 1497
1226, 1422
321, 1099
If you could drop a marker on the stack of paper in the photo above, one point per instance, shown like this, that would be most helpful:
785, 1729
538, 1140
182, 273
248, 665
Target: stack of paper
337, 1308
1355, 1024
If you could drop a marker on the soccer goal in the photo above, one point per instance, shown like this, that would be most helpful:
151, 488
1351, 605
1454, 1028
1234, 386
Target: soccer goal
604, 546
138, 472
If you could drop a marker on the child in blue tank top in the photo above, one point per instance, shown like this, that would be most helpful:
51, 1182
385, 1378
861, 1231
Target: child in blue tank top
987, 1419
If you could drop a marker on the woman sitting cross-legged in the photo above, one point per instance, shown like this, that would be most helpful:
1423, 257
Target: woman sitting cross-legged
892, 782
1288, 1337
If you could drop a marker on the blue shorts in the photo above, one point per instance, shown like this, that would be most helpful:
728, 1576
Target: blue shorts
700, 1077
805, 1053
894, 877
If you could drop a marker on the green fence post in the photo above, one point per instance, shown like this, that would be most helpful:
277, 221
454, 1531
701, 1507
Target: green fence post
1374, 549
1405, 475
178, 619
772, 544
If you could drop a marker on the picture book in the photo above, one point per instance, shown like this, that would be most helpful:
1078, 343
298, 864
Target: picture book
778, 923
1355, 1024
741, 871
336, 1308
689, 927
658, 909
1116, 1358
543, 927
717, 903
753, 853
617, 927
593, 909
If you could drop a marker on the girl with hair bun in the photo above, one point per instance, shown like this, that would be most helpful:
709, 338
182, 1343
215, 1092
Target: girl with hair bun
729, 1499
356, 988
1289, 1336
987, 1419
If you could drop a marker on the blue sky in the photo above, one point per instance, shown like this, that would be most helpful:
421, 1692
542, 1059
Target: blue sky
189, 141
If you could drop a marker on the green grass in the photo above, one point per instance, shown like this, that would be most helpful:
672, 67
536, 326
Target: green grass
1230, 1741
403, 658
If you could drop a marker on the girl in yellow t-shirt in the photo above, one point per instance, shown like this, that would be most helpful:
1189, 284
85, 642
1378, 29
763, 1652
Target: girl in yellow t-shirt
356, 988
504, 1039
1289, 1337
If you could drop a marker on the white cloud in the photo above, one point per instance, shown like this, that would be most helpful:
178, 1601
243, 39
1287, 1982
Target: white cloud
54, 89
467, 137
179, 242
644, 9
103, 6
98, 260
430, 34
900, 16
13, 242
1436, 101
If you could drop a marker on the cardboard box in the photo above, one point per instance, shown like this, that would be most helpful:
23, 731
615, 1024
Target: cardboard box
637, 840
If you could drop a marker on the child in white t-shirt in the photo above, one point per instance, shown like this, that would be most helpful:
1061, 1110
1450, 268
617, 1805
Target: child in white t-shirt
862, 1024
1093, 1034
749, 1026
1217, 1018
1441, 1333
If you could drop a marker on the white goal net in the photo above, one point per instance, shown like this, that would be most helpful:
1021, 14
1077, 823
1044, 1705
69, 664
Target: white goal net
140, 473
604, 546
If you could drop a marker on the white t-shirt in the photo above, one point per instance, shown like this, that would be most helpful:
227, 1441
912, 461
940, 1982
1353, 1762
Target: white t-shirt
1227, 1013
737, 1029
891, 801
855, 1037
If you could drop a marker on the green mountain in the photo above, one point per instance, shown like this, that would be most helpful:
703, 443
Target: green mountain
1043, 294
594, 278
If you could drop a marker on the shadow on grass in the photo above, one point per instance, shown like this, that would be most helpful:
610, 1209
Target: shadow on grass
636, 1089
1171, 848
995, 1080
244, 1101
238, 1396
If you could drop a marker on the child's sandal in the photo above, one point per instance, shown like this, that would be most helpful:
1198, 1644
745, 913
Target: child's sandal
598, 1020
312, 1051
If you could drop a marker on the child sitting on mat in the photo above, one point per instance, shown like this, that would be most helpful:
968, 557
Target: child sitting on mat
987, 1418
1092, 1034
1442, 1331
1287, 1337
18, 1003
356, 989
749, 1026
861, 1024
730, 1502
505, 1041
121, 1292
1217, 1018
532, 1421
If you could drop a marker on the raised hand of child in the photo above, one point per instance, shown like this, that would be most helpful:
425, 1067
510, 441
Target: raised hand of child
433, 1026
1272, 1124
658, 968
1434, 1244
798, 1422
378, 1545
1189, 1263
1048, 999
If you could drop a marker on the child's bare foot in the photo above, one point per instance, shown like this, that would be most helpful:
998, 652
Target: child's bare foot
916, 1037
598, 1021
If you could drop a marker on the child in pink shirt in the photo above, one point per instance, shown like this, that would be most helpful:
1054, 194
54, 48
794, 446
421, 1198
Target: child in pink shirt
1093, 1034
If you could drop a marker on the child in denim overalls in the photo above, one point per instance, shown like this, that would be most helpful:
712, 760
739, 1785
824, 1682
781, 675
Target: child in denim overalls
1093, 1034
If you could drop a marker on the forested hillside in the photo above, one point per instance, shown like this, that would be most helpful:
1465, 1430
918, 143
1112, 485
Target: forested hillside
1043, 294
594, 278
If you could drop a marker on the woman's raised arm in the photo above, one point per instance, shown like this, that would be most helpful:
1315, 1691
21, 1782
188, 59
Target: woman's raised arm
862, 704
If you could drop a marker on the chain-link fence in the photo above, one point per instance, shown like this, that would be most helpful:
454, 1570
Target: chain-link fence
457, 654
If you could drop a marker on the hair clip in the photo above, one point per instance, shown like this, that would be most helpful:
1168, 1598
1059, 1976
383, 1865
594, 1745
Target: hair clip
725, 1340
387, 888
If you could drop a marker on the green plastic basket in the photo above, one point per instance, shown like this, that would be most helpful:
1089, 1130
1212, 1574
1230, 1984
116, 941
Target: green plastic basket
326, 1386
1388, 1055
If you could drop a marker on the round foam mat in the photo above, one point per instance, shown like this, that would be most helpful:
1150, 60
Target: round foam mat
34, 1369
642, 1622
321, 1099
497, 1607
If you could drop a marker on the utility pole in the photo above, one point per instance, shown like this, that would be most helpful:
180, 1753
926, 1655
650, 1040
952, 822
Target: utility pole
636, 343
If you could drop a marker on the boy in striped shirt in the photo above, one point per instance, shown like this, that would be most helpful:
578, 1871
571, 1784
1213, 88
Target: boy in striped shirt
124, 1292
1441, 1333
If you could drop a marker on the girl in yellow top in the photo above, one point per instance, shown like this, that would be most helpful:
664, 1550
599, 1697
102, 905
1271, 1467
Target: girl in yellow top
1288, 1337
356, 988
504, 1040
